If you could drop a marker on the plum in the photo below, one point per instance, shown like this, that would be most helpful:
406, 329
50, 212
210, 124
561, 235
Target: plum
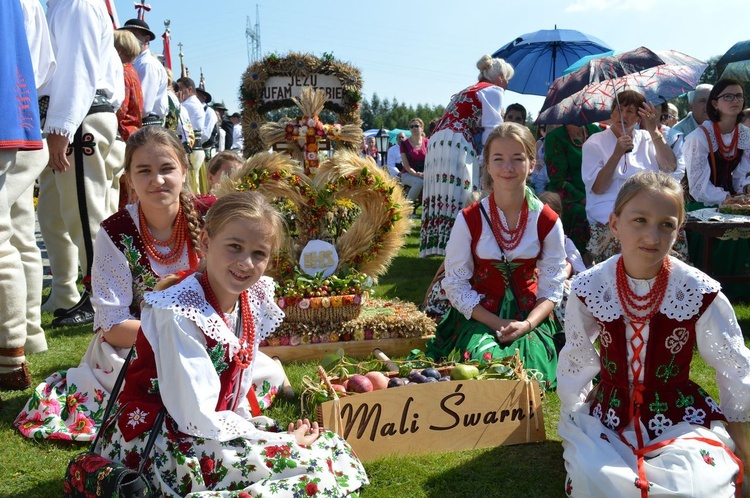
431, 372
359, 384
416, 377
396, 382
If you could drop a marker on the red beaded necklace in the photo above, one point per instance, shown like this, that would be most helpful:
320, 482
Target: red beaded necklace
244, 356
728, 152
178, 238
507, 238
651, 301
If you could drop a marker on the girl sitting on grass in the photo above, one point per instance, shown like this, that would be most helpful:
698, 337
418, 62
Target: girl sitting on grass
646, 429
196, 355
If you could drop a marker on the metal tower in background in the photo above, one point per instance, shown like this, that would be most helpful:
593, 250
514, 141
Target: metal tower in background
253, 38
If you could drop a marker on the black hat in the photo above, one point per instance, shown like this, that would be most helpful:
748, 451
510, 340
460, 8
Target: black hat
219, 106
236, 115
203, 95
138, 25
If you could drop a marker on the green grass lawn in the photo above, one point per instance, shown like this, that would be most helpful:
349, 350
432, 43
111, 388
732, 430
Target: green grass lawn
35, 469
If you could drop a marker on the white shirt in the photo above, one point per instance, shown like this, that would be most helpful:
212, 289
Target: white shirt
459, 261
196, 112
393, 157
238, 140
209, 123
112, 280
82, 40
718, 335
40, 44
596, 152
696, 152
491, 98
153, 84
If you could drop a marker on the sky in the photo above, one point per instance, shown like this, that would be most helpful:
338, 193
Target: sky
424, 51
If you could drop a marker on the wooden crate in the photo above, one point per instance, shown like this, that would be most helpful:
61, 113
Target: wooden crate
437, 417
352, 349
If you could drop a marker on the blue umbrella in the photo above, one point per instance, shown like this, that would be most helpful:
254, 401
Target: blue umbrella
583, 60
540, 57
740, 51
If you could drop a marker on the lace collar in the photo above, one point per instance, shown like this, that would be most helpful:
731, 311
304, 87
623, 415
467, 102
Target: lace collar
744, 141
682, 301
187, 299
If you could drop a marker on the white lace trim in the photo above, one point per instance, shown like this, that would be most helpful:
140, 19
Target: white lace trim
682, 301
744, 140
187, 299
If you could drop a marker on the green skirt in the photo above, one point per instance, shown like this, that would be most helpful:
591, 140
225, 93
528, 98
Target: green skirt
475, 341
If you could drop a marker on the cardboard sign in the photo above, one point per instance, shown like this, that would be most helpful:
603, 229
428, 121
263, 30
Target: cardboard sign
286, 87
437, 417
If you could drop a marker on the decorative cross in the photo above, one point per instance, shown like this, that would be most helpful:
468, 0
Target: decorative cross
141, 9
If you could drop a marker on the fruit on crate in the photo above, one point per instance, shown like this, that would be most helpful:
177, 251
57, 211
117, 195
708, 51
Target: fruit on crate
379, 380
431, 373
416, 377
464, 372
359, 384
396, 382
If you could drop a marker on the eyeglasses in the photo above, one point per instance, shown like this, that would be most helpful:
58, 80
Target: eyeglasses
731, 97
413, 126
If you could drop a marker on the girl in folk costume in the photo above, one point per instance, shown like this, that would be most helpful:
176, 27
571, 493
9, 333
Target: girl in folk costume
717, 162
196, 356
504, 265
646, 429
147, 240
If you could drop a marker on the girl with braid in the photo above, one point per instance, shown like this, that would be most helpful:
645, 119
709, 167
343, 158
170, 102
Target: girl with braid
149, 239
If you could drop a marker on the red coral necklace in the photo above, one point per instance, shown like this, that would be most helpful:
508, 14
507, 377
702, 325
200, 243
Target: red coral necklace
244, 356
178, 239
506, 237
728, 152
650, 302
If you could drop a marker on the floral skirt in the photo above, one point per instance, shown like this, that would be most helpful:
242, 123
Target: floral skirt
603, 246
243, 467
451, 174
475, 341
69, 405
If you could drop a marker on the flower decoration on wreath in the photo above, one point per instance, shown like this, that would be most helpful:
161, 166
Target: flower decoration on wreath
350, 203
296, 64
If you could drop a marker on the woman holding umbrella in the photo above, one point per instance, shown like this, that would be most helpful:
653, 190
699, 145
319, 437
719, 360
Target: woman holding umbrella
451, 170
611, 157
720, 171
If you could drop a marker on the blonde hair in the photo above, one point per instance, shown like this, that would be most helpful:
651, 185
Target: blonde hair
651, 182
250, 206
552, 199
490, 68
127, 45
216, 162
166, 138
517, 132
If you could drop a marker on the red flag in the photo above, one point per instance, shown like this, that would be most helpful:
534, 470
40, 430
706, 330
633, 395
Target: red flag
166, 52
112, 13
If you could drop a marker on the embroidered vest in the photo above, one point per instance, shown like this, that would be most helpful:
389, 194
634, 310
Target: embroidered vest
490, 279
667, 396
124, 234
464, 114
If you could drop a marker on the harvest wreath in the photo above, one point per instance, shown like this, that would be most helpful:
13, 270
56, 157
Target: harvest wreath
345, 225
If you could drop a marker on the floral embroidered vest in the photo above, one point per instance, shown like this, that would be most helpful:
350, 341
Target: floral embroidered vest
464, 113
489, 276
127, 239
140, 397
667, 396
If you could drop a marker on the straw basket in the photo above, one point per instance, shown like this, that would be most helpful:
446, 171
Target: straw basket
317, 310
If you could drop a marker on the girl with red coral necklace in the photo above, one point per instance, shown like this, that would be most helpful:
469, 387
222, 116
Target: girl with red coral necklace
153, 237
717, 162
645, 429
197, 356
504, 265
